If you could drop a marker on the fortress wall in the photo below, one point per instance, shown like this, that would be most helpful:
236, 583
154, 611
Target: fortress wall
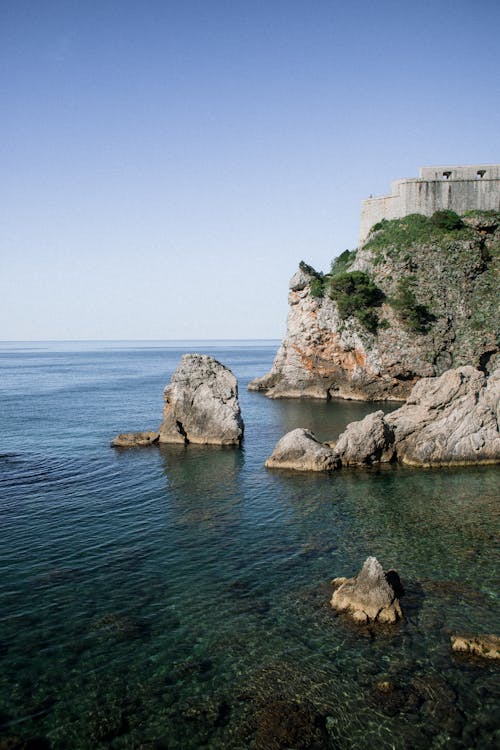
462, 190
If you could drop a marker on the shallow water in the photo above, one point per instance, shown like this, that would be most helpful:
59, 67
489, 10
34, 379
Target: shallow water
178, 597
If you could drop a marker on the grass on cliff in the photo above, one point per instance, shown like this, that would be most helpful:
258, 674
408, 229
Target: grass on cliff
415, 228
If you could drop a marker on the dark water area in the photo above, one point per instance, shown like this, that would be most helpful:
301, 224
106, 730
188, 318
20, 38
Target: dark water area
179, 597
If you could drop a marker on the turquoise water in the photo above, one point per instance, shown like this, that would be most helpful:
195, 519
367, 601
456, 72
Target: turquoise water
178, 597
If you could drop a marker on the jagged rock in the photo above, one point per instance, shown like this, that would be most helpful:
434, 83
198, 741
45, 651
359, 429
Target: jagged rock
487, 646
135, 439
301, 451
371, 597
369, 441
449, 420
201, 404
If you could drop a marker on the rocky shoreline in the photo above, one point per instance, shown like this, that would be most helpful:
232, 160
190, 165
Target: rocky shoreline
451, 420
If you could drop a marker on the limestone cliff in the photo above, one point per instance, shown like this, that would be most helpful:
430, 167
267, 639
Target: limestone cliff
419, 297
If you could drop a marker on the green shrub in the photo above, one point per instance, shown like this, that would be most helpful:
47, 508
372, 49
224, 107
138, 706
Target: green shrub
342, 262
415, 316
356, 294
306, 268
317, 287
447, 220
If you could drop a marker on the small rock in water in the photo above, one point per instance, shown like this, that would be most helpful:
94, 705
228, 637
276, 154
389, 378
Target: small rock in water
135, 439
486, 646
371, 597
301, 451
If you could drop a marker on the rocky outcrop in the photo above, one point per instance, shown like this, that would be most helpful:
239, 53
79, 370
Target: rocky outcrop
301, 451
366, 442
486, 646
201, 404
451, 420
447, 421
135, 439
439, 311
373, 596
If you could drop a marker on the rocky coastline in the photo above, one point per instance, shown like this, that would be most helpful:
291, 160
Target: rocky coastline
451, 420
432, 307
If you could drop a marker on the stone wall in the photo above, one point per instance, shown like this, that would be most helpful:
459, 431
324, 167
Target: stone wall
457, 188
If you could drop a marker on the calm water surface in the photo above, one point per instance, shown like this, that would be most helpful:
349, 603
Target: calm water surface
178, 597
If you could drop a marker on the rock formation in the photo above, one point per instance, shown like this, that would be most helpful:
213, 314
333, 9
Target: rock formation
366, 442
486, 646
135, 439
201, 406
301, 451
437, 309
447, 421
373, 596
450, 420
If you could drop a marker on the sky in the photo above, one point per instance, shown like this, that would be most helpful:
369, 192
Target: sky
166, 165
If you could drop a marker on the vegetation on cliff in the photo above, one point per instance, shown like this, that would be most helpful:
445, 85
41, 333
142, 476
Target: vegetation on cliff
436, 276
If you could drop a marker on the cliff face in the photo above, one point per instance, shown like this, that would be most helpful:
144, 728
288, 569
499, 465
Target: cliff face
437, 308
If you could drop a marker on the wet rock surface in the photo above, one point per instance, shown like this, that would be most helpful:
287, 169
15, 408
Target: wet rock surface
485, 646
135, 439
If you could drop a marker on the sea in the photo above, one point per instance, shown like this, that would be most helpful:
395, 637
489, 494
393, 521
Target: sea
178, 597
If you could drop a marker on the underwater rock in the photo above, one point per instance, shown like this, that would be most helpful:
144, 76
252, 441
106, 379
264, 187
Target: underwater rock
373, 596
135, 439
301, 451
283, 724
486, 646
121, 627
201, 404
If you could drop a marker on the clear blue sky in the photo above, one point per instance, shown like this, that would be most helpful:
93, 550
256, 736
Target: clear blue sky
166, 165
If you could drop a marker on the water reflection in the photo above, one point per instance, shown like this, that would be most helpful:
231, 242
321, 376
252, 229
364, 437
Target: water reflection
203, 484
326, 419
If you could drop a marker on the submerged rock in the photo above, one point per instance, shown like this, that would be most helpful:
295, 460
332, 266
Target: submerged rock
373, 596
486, 646
282, 724
201, 404
301, 451
135, 439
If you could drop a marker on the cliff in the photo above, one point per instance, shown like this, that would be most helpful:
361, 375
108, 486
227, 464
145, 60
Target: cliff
419, 297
